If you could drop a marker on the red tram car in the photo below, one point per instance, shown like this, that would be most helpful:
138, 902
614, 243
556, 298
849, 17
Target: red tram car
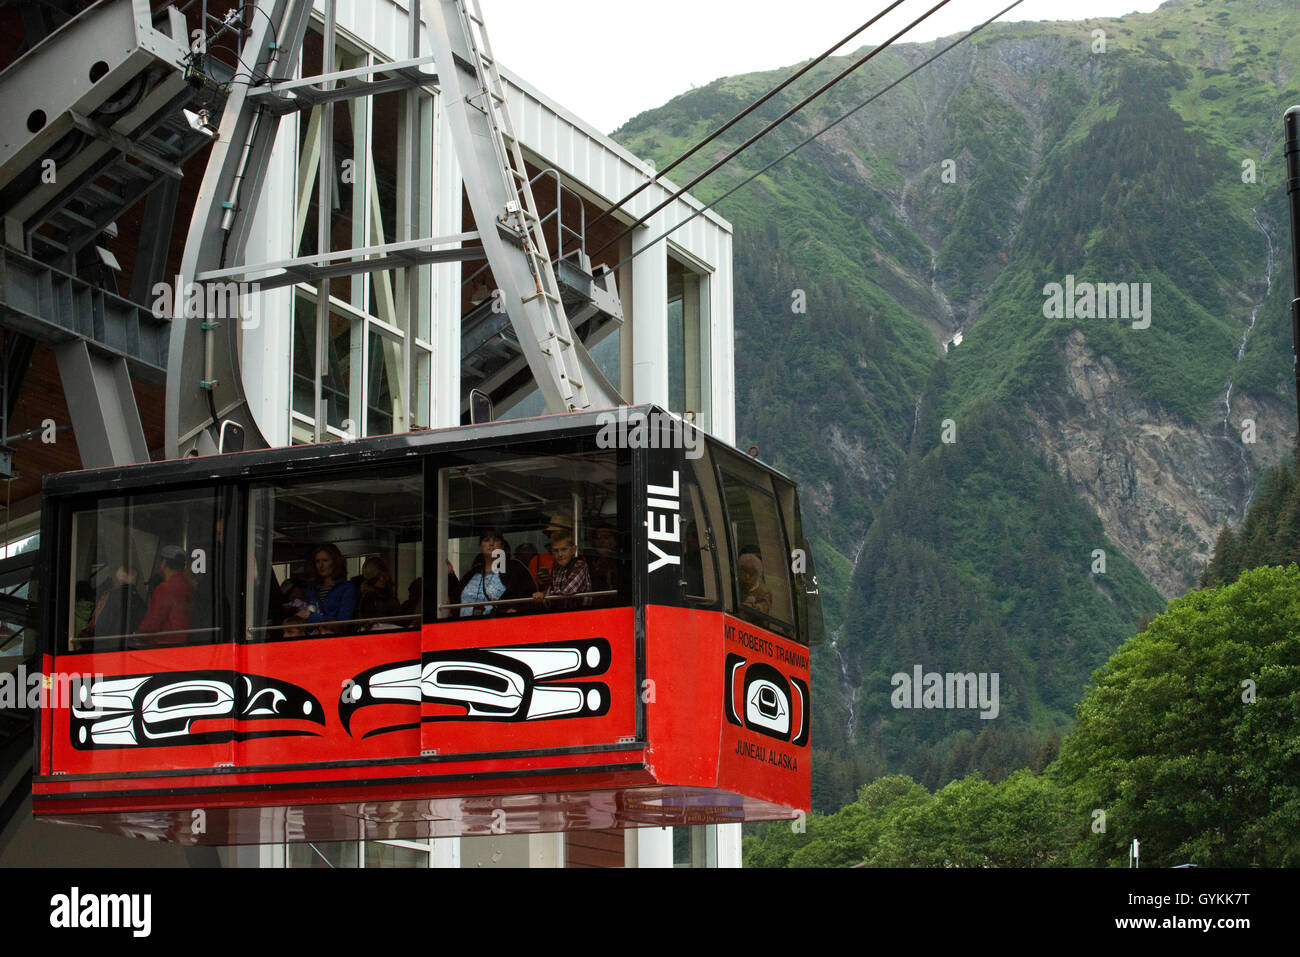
582, 621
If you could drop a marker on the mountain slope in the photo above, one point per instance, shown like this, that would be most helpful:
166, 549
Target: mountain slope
942, 213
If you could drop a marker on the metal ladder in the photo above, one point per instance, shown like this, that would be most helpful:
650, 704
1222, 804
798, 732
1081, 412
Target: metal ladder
519, 219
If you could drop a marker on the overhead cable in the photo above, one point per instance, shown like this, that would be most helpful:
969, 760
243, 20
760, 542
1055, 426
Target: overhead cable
741, 115
827, 128
771, 126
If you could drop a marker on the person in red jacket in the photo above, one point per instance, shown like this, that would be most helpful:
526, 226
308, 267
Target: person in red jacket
172, 604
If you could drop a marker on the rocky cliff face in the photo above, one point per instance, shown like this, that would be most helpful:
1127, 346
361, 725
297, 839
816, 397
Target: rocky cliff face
1162, 483
1161, 486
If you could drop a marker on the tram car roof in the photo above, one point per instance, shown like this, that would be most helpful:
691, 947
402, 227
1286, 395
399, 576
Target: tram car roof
351, 452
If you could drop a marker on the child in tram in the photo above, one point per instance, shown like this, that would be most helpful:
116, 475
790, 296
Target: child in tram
570, 575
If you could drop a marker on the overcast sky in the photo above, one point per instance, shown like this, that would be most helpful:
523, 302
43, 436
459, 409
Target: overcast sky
608, 60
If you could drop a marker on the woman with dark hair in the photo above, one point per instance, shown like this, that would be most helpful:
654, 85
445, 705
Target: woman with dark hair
332, 597
493, 576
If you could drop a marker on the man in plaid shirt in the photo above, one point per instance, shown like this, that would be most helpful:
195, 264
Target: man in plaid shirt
570, 575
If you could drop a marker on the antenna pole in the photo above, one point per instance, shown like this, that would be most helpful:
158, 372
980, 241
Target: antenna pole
1291, 124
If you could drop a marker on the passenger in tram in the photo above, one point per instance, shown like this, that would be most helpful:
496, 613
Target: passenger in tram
118, 609
541, 566
369, 569
606, 573
84, 607
414, 598
490, 580
293, 599
154, 580
377, 597
171, 606
525, 554
332, 597
753, 592
570, 576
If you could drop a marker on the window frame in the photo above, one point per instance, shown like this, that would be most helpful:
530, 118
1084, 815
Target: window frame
504, 452
787, 629
419, 468
228, 507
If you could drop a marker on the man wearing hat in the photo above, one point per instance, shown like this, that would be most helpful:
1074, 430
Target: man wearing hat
569, 573
541, 566
172, 604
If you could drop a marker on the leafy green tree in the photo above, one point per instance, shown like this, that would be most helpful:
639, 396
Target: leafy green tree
1024, 821
1188, 739
851, 836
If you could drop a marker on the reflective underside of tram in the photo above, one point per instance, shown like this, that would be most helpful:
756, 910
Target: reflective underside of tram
524, 626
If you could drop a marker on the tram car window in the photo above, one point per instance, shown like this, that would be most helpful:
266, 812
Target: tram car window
147, 571
760, 557
337, 555
532, 534
703, 555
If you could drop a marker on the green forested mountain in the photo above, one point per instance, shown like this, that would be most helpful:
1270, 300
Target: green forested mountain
1186, 739
1270, 535
924, 232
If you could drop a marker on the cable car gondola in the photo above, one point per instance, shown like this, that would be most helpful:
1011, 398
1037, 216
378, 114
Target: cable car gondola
581, 621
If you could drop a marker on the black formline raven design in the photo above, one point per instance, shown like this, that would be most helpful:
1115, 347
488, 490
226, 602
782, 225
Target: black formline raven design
765, 700
158, 710
508, 683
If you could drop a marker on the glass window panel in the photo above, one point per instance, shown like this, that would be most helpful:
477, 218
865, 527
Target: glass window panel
761, 559
336, 854
422, 412
607, 356
699, 392
383, 854
385, 384
304, 354
424, 207
345, 231
146, 572
533, 535
676, 348
384, 292
336, 385
385, 180
346, 171
336, 555
698, 566
301, 433
532, 404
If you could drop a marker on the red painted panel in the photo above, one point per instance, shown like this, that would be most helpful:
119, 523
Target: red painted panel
683, 655
564, 680
324, 667
149, 699
765, 750
725, 704
699, 663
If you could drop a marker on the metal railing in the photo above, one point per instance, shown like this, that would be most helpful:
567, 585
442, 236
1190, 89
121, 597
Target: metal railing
529, 600
561, 230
